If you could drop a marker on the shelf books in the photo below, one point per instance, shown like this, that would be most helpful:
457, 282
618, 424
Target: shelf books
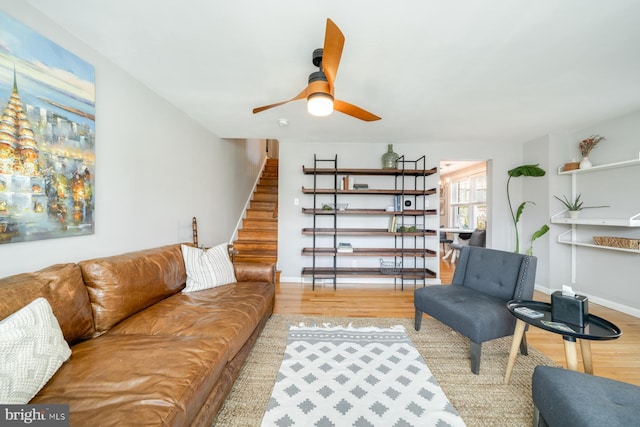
393, 224
346, 183
397, 203
345, 248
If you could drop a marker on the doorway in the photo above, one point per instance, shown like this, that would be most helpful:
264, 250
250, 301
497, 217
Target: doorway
463, 194
272, 148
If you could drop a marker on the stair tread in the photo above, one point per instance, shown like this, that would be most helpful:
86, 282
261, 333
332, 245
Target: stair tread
256, 255
261, 214
253, 258
254, 227
255, 232
254, 242
252, 250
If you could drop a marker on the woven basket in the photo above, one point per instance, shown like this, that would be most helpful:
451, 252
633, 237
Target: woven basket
389, 267
617, 242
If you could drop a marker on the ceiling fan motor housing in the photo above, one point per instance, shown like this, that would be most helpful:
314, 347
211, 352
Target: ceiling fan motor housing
318, 84
316, 57
317, 76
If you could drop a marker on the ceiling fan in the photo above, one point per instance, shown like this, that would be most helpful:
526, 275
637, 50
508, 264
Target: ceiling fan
319, 91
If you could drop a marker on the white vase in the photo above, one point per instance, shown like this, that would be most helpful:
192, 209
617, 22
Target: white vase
585, 163
573, 214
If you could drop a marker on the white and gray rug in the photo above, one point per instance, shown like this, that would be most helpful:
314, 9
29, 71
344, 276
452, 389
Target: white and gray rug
337, 376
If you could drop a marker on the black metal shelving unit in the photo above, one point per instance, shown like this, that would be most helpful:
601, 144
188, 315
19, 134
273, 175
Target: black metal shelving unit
409, 240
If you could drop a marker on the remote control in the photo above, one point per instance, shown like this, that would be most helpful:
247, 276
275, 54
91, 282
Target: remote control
528, 312
557, 325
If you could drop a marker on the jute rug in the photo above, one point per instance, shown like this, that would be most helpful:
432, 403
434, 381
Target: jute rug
481, 400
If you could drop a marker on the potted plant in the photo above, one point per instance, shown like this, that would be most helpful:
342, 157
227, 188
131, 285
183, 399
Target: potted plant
524, 170
574, 206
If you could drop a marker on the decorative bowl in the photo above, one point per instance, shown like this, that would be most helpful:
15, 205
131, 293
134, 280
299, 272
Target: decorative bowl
335, 206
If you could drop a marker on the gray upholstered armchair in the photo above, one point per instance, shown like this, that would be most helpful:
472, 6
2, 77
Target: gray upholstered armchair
475, 303
476, 238
568, 398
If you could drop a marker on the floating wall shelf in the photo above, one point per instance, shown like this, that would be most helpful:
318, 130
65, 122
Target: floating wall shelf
571, 237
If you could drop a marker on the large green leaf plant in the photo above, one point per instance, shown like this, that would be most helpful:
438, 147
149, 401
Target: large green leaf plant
532, 171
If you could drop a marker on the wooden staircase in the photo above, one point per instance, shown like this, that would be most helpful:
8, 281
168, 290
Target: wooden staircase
258, 236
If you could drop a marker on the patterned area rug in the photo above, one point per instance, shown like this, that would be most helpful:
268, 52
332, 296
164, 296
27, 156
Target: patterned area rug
481, 400
364, 377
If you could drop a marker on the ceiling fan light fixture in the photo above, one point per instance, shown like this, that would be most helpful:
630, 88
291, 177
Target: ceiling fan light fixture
320, 104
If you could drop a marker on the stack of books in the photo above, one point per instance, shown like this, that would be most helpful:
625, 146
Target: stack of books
345, 248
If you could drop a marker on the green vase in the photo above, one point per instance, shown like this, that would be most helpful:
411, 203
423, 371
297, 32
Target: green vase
390, 159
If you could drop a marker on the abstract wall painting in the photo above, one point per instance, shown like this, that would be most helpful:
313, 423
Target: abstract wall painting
47, 138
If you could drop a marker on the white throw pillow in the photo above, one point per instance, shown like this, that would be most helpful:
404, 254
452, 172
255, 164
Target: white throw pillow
32, 349
207, 268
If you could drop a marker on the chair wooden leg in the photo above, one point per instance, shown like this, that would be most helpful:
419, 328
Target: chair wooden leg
418, 319
524, 350
536, 416
475, 352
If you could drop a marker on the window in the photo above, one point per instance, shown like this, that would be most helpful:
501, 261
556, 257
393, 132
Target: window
468, 202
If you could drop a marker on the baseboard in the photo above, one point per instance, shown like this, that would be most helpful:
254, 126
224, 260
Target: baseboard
631, 311
351, 281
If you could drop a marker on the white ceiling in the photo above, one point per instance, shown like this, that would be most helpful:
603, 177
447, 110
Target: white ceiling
433, 70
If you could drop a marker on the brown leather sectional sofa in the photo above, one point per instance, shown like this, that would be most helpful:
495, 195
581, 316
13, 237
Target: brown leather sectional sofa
144, 353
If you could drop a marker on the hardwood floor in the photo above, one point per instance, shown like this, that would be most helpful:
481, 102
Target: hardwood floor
617, 359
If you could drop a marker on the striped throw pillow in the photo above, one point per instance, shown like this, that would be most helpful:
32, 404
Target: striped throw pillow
207, 268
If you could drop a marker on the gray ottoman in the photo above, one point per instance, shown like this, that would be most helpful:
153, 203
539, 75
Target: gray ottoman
567, 398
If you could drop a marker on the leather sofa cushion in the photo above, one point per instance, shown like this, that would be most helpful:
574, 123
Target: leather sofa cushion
63, 288
117, 380
251, 272
230, 312
122, 285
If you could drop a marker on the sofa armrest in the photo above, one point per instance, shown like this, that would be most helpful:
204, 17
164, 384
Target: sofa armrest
251, 272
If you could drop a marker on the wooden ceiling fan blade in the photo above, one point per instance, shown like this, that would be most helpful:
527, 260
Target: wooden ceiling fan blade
354, 111
301, 95
332, 51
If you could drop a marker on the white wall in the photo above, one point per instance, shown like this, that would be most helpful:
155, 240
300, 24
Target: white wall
535, 214
607, 277
155, 169
295, 154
